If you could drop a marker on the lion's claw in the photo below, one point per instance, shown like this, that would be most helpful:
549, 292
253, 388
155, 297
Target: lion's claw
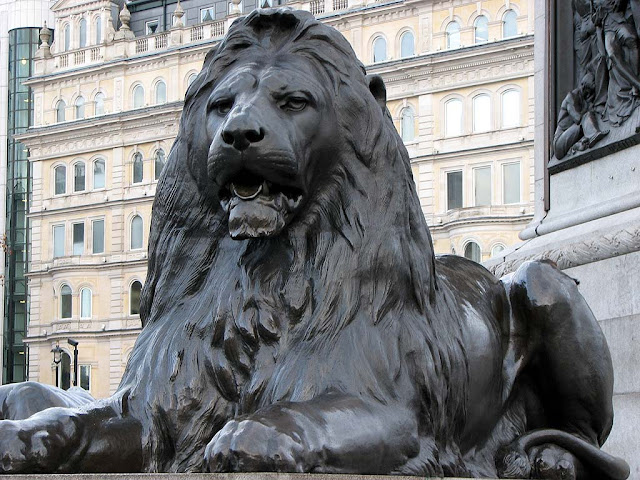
551, 462
251, 446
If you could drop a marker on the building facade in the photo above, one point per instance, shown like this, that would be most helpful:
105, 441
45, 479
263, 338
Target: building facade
108, 94
20, 23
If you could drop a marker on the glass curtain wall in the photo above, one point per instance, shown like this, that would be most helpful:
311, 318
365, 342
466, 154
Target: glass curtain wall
23, 43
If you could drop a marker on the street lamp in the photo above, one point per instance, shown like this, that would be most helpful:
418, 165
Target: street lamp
57, 358
74, 344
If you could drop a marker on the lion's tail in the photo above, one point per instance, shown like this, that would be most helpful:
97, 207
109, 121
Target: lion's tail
512, 460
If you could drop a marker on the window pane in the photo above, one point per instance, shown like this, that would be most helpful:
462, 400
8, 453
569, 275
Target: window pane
98, 236
60, 111
80, 108
78, 238
511, 108
138, 97
151, 27
481, 113
98, 174
482, 186
137, 168
472, 252
161, 92
136, 232
78, 177
453, 35
58, 241
379, 50
61, 179
509, 24
454, 190
207, 15
98, 30
134, 300
83, 33
511, 182
65, 371
453, 118
406, 45
67, 38
497, 249
481, 29
159, 163
65, 302
407, 125
99, 108
85, 376
85, 303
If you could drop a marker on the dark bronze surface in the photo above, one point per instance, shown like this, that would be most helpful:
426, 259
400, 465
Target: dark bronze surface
607, 71
296, 318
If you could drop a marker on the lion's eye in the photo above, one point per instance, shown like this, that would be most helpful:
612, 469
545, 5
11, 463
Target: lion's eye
222, 107
295, 104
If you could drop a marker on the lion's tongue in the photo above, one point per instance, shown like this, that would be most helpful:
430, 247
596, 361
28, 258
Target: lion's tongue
261, 216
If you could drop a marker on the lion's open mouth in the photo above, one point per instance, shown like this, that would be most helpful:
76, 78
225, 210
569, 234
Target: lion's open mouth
258, 207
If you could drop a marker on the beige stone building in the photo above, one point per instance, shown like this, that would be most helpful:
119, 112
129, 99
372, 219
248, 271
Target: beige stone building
107, 101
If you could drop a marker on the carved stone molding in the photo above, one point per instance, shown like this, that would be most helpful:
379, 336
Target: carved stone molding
622, 242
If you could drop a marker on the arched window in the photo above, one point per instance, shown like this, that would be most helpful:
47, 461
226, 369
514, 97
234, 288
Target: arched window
158, 164
453, 117
98, 30
79, 177
80, 108
83, 33
379, 50
472, 252
406, 45
67, 38
61, 108
66, 308
85, 303
407, 124
138, 97
136, 232
60, 174
138, 172
453, 35
509, 24
99, 104
481, 29
98, 173
511, 109
161, 92
481, 113
134, 298
496, 249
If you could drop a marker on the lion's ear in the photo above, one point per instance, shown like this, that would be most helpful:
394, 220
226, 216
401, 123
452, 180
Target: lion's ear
379, 91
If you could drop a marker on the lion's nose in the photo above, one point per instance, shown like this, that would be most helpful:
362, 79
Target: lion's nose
242, 134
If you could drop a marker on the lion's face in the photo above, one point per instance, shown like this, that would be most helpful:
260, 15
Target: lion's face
273, 133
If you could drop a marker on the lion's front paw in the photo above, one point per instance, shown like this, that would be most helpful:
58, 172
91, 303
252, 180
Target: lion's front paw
551, 462
251, 446
13, 451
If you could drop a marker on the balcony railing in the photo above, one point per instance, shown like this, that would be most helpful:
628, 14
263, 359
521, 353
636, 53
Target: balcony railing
316, 7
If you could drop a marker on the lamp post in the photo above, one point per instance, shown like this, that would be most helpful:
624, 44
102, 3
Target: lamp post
57, 358
74, 344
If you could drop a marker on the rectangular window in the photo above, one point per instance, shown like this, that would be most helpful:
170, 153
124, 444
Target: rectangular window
482, 186
151, 27
58, 241
85, 377
207, 14
511, 182
78, 238
454, 190
98, 236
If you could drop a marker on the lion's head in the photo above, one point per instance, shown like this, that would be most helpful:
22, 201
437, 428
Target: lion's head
286, 209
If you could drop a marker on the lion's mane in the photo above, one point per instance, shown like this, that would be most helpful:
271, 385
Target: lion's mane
350, 284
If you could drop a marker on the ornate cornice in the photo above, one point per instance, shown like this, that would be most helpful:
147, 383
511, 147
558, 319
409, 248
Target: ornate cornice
622, 242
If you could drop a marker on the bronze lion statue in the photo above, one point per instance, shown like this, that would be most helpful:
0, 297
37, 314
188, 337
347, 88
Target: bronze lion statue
296, 318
